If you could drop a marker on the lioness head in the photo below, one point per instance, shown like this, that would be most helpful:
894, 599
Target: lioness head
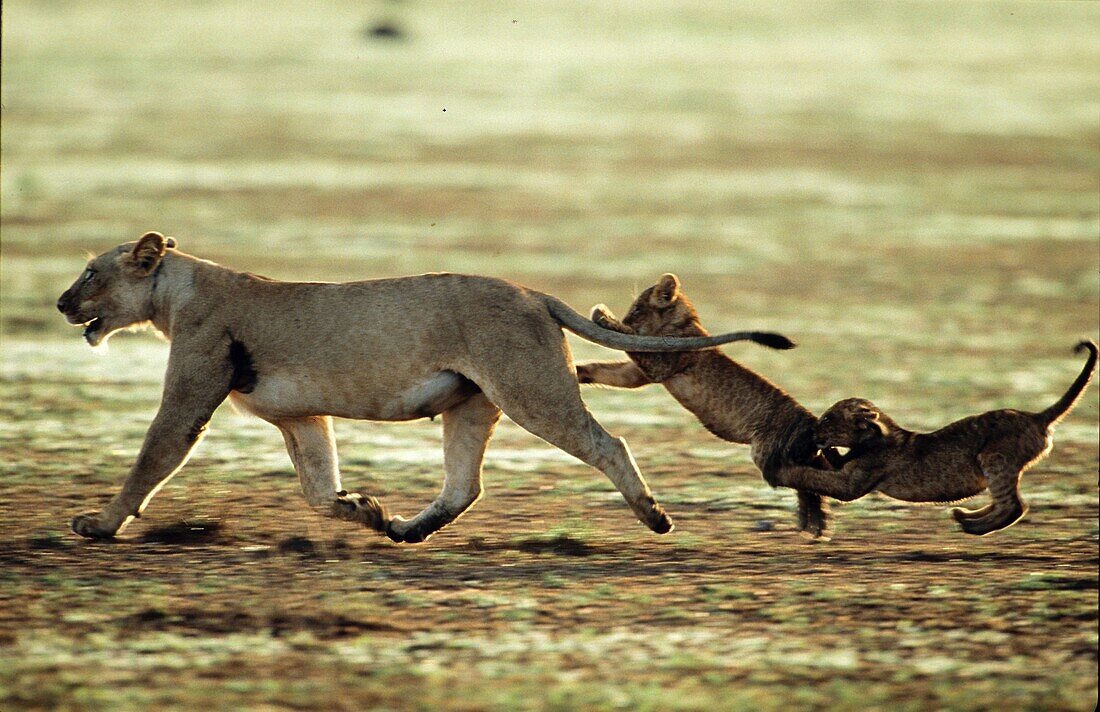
663, 310
851, 423
115, 290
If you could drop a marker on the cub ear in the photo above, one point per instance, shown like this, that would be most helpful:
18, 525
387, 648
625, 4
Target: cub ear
170, 242
147, 253
666, 291
871, 424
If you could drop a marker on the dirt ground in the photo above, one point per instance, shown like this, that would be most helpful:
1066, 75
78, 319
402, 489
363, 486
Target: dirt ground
907, 190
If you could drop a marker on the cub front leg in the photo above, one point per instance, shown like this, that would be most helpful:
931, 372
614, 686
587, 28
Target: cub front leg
604, 318
846, 484
813, 515
194, 387
617, 374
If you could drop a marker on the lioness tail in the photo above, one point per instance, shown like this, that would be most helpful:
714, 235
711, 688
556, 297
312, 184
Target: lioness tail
1056, 412
588, 329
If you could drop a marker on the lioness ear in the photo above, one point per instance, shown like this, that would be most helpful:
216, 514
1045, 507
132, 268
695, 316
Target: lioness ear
665, 291
147, 252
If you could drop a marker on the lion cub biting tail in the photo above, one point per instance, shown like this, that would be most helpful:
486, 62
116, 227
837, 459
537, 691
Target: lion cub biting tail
298, 353
991, 450
731, 401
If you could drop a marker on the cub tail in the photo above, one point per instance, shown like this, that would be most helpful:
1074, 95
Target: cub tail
1056, 412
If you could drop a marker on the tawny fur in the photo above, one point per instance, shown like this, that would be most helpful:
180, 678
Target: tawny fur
296, 354
731, 401
991, 450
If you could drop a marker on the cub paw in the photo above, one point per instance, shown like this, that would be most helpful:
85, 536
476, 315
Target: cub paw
584, 373
816, 530
364, 509
92, 526
970, 527
961, 515
602, 315
813, 517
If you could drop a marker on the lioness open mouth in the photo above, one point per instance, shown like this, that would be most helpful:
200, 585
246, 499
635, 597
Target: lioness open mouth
90, 327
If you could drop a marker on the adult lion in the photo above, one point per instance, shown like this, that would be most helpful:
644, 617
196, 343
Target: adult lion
298, 353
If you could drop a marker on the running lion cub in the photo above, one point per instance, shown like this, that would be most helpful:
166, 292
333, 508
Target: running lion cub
731, 401
991, 450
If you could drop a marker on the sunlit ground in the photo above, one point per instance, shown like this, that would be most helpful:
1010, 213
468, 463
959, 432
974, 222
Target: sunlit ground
909, 191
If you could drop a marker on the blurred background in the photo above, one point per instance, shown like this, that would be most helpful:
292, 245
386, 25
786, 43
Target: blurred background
909, 190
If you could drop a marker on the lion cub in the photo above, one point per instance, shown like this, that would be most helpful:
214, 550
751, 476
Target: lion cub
991, 450
731, 401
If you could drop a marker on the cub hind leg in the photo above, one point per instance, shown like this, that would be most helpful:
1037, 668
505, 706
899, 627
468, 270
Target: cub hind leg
961, 514
1007, 507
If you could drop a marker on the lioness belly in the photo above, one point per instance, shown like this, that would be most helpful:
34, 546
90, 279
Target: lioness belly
278, 396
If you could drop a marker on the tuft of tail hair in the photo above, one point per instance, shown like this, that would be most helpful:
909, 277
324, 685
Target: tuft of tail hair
1056, 412
772, 340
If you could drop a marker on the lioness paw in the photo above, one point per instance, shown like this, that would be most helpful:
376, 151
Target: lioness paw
92, 526
364, 509
653, 515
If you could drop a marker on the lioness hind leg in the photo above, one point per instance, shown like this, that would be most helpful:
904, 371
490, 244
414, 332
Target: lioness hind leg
563, 421
1004, 484
467, 428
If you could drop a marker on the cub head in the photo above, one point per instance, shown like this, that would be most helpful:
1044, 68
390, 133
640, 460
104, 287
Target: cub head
663, 310
115, 290
851, 423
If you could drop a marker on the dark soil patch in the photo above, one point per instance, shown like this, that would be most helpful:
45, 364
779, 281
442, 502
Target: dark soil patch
188, 531
561, 545
203, 621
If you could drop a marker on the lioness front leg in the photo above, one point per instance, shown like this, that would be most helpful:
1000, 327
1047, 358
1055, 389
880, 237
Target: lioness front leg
193, 389
311, 445
467, 428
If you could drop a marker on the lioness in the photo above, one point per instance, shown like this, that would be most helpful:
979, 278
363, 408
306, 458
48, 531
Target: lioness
954, 463
298, 353
731, 401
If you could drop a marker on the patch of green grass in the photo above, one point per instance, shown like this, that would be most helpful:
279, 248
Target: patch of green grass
910, 193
